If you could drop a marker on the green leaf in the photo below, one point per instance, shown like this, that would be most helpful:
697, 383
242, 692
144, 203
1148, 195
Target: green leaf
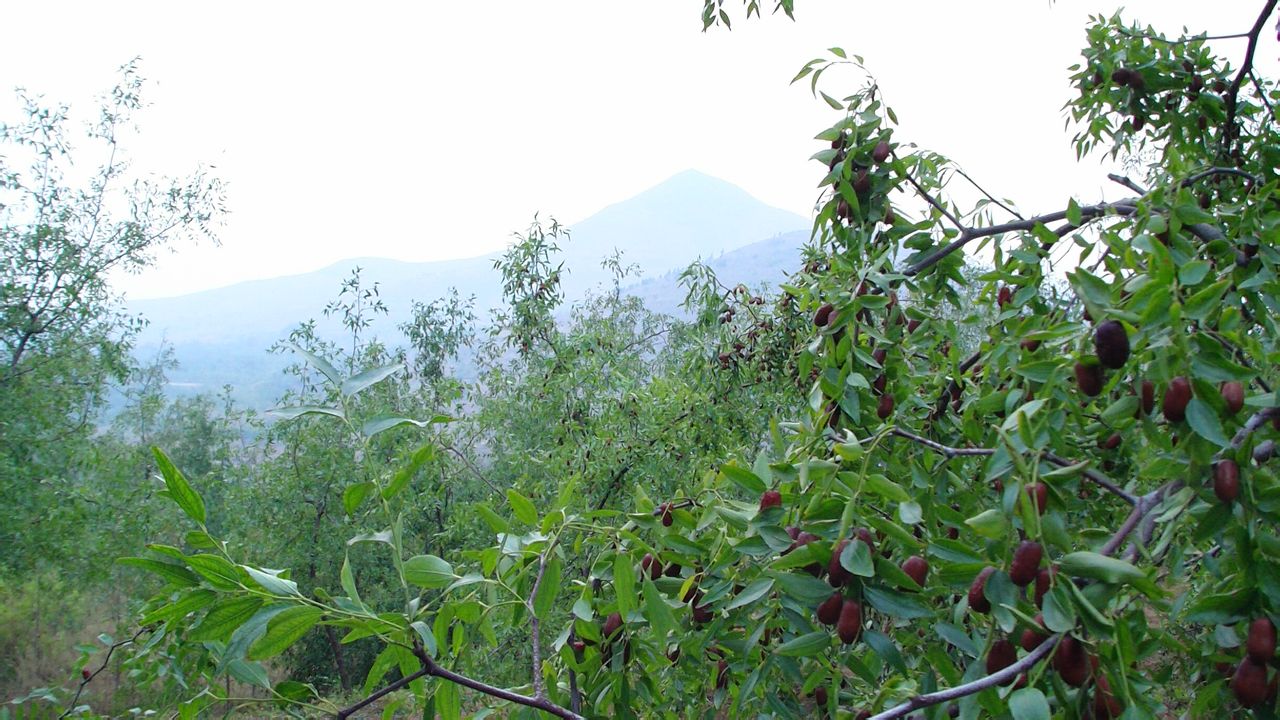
217, 570
355, 494
657, 610
297, 411
1073, 212
428, 571
744, 478
1202, 418
884, 487
751, 593
401, 479
272, 583
1096, 566
624, 584
806, 645
544, 600
1029, 704
319, 363
348, 581
179, 489
524, 510
358, 382
382, 423
896, 604
249, 673
1205, 302
284, 630
856, 558
195, 600
175, 574
223, 618
989, 524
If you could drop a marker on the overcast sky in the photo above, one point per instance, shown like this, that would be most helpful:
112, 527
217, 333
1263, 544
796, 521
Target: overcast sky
424, 131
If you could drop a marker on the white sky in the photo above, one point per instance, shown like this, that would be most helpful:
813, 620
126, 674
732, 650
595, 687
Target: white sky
433, 130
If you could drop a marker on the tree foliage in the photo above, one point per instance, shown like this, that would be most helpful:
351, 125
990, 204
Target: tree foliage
893, 490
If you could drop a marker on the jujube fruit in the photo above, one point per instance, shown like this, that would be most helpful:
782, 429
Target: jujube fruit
1249, 684
667, 518
836, 574
829, 610
1001, 655
1089, 377
849, 627
823, 316
1111, 342
916, 568
978, 601
1264, 451
1261, 645
1226, 480
1044, 580
1232, 396
1038, 493
1105, 705
770, 499
881, 152
612, 625
1032, 638
649, 565
1071, 660
1026, 563
885, 407
1148, 395
1176, 398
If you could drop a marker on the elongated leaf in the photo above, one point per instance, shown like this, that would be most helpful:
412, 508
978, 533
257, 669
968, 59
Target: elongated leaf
179, 489
319, 363
1099, 567
744, 478
195, 600
217, 570
624, 584
428, 571
271, 583
175, 574
284, 630
355, 494
348, 581
360, 381
296, 411
805, 645
401, 479
224, 618
524, 510
751, 593
1205, 422
383, 423
249, 673
657, 610
549, 588
896, 604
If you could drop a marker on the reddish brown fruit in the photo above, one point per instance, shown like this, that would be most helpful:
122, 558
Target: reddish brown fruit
849, 627
701, 614
667, 517
770, 499
1089, 377
1001, 655
1071, 660
649, 565
1249, 684
880, 355
1044, 580
793, 532
836, 574
1232, 396
804, 538
612, 625
1004, 295
1261, 645
916, 568
978, 601
881, 152
1026, 563
865, 536
1030, 345
879, 384
885, 408
1148, 395
86, 674
862, 183
1111, 343
829, 610
1176, 398
1038, 493
1105, 705
673, 570
820, 696
1226, 480
823, 316
1033, 638
1111, 443
889, 217
953, 533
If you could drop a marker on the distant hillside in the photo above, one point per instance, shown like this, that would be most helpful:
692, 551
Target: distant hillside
220, 336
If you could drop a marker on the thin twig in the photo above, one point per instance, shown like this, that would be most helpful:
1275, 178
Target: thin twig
85, 680
538, 691
990, 197
1246, 66
433, 669
1126, 182
346, 712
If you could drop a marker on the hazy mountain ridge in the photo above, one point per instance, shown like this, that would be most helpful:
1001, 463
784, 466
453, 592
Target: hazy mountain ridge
221, 336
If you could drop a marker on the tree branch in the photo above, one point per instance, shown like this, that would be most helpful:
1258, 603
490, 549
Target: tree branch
346, 712
538, 691
86, 679
431, 668
1246, 66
